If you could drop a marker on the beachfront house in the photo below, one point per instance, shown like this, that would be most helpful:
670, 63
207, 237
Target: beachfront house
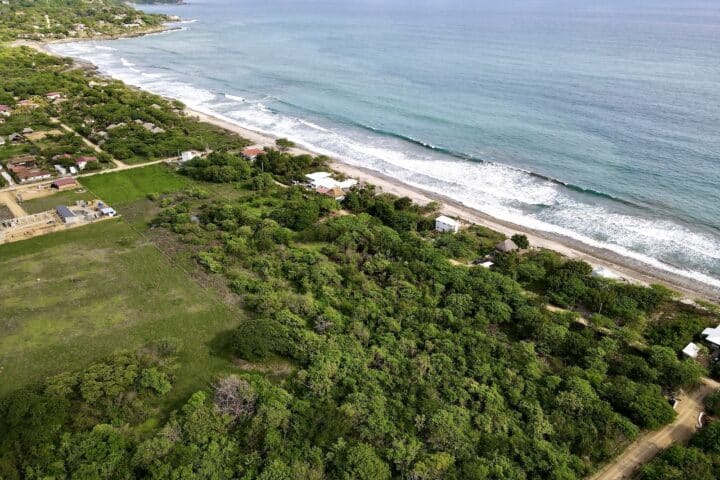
446, 224
712, 336
251, 153
603, 272
506, 246
324, 180
691, 350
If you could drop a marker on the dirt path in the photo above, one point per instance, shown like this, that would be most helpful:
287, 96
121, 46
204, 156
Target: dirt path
8, 199
649, 445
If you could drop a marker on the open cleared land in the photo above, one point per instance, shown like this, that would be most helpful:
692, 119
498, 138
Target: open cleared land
71, 298
49, 202
126, 186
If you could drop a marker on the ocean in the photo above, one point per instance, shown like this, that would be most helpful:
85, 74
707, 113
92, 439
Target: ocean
595, 120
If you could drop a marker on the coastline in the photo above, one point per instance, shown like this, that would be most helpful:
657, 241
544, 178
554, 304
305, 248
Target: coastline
632, 270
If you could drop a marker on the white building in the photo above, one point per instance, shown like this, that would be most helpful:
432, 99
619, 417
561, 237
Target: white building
189, 155
325, 180
108, 212
691, 350
446, 224
712, 335
60, 169
313, 178
603, 272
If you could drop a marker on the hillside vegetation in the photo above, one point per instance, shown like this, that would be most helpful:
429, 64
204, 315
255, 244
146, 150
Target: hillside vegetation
352, 341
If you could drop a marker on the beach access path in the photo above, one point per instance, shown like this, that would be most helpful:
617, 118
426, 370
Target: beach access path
651, 444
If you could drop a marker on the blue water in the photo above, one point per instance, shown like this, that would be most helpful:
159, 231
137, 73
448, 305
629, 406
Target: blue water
598, 120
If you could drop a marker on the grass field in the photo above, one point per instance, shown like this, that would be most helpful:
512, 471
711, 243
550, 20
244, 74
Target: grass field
128, 185
41, 204
73, 297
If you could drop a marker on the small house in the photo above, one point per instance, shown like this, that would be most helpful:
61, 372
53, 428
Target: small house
251, 153
188, 155
82, 162
446, 224
73, 170
2, 140
314, 178
28, 104
60, 169
108, 212
66, 215
691, 350
54, 95
4, 110
16, 138
506, 246
602, 272
712, 336
65, 184
27, 131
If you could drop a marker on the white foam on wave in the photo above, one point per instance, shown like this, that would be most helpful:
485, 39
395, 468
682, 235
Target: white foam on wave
235, 97
502, 192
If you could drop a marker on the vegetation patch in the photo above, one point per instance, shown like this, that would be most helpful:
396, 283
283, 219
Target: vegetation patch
70, 298
122, 187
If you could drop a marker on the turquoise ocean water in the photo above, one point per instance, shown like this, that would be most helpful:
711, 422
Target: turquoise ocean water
597, 120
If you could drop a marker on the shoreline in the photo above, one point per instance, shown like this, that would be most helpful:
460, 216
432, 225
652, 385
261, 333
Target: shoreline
632, 270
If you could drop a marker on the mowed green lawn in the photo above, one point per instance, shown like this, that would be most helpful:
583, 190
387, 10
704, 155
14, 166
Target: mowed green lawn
69, 298
128, 185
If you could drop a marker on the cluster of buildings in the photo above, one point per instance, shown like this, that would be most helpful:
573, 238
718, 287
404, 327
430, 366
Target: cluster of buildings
26, 169
324, 184
712, 339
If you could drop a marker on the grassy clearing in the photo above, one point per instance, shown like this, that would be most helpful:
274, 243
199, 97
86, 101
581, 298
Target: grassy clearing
73, 297
128, 185
37, 205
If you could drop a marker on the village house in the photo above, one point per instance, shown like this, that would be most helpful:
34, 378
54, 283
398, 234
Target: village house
691, 350
188, 155
54, 95
2, 141
337, 193
16, 138
27, 104
4, 110
82, 162
27, 131
67, 216
26, 174
60, 169
65, 184
251, 153
446, 224
712, 336
506, 246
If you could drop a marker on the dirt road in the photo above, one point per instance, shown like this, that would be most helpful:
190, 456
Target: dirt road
649, 445
8, 199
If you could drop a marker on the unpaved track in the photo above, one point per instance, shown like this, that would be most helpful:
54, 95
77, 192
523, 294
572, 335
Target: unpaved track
8, 199
649, 445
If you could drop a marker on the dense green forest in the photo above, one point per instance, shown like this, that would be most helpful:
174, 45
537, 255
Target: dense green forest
401, 359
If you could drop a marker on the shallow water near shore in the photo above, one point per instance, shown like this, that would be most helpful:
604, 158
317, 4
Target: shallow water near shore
599, 123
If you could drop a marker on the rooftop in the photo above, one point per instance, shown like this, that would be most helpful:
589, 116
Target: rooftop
447, 220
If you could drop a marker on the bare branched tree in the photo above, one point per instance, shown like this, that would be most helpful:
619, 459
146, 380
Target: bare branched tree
235, 397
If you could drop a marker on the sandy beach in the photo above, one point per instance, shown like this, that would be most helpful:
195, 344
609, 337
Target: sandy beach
630, 269
633, 271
